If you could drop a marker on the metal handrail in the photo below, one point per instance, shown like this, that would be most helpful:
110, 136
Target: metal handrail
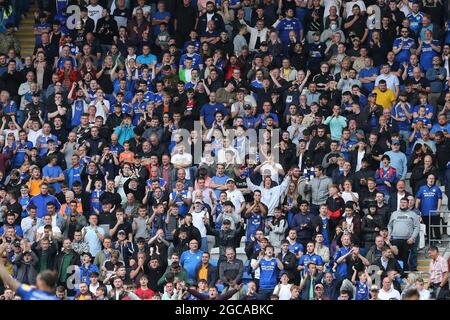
440, 225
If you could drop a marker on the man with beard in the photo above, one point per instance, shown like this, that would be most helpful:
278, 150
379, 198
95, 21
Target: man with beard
404, 228
319, 146
210, 15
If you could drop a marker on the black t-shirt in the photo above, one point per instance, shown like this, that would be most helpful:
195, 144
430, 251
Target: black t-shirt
422, 83
106, 218
358, 27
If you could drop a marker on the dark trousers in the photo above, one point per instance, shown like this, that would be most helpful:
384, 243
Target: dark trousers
437, 292
412, 261
265, 293
403, 252
315, 209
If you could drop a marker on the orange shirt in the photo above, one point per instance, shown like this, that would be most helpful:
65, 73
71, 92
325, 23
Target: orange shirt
65, 209
127, 156
34, 186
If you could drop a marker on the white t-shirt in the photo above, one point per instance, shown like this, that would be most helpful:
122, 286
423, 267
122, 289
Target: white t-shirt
347, 196
361, 155
95, 12
15, 132
145, 9
221, 158
424, 294
100, 111
197, 221
181, 158
285, 291
328, 4
236, 198
56, 230
391, 81
387, 295
33, 135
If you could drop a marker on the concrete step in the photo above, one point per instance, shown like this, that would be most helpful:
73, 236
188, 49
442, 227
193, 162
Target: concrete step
25, 34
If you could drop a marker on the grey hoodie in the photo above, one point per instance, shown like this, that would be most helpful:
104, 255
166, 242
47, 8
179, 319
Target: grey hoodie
319, 189
404, 225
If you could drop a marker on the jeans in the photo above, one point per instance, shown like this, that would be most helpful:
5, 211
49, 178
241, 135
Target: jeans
204, 244
265, 293
404, 134
315, 209
412, 261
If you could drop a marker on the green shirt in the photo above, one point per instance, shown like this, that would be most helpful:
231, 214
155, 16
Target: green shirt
64, 265
43, 261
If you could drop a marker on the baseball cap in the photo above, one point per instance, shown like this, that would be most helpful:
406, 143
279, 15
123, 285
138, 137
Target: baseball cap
247, 106
230, 180
374, 287
396, 142
373, 94
121, 232
86, 253
198, 201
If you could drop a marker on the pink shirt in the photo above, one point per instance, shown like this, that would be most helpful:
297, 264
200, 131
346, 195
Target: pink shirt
437, 269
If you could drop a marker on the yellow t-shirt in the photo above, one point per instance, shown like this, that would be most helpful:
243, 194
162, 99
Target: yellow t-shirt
203, 273
385, 99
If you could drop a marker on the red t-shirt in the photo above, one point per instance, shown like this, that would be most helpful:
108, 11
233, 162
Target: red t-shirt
146, 294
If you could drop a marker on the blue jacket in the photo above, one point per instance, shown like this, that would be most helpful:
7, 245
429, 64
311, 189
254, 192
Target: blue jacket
302, 233
85, 274
40, 201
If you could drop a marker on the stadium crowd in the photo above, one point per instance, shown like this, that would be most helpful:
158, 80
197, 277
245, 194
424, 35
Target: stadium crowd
101, 195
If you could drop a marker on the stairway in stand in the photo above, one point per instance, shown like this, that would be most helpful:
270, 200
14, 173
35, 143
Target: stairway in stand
424, 267
25, 34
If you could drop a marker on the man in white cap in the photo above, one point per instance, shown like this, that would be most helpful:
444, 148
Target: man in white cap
198, 212
235, 195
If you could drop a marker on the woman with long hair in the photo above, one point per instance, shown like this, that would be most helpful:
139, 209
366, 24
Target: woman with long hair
291, 202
